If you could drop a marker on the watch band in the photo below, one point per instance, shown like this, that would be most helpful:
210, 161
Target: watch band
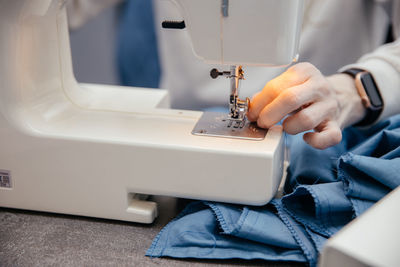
369, 93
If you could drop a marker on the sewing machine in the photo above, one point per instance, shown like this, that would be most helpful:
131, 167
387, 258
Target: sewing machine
97, 150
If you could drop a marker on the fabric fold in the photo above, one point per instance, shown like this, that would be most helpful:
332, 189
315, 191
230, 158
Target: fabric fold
320, 199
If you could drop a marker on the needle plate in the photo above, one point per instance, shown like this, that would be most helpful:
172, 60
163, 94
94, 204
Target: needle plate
220, 125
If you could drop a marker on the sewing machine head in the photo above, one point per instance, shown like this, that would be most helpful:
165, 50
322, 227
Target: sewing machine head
236, 33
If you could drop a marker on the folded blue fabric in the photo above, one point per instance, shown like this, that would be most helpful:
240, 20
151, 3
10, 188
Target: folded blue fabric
321, 198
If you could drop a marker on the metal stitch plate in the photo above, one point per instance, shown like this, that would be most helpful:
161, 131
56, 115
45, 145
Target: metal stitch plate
217, 125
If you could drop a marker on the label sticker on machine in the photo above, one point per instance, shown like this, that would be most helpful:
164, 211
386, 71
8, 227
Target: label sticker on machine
5, 179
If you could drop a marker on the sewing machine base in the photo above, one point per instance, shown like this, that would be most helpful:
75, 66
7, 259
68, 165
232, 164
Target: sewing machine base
220, 125
103, 163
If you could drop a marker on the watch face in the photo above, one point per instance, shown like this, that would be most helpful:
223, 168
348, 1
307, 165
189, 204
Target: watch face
371, 89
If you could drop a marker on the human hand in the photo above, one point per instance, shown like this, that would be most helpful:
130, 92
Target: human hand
310, 101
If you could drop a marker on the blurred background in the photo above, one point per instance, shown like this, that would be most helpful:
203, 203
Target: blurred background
118, 46
96, 63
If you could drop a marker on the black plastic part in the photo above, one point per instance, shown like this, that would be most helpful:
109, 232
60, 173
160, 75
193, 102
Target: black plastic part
173, 24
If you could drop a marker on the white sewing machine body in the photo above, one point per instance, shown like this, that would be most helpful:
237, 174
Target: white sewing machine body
93, 150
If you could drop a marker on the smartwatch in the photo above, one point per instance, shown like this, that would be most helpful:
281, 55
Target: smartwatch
369, 93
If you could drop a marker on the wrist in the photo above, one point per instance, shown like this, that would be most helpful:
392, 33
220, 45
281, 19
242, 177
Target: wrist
351, 109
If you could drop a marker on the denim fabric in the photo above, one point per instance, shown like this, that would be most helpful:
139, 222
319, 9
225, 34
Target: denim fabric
137, 54
324, 191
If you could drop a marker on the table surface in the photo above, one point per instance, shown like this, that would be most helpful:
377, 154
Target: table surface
29, 238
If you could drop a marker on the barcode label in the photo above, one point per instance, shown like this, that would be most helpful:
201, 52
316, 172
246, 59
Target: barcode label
5, 179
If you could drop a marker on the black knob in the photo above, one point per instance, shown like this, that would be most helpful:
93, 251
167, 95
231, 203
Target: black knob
214, 73
173, 24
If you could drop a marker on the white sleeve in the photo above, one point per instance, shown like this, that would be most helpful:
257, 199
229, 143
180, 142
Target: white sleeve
384, 65
80, 11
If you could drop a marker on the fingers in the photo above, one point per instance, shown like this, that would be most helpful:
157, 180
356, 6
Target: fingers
304, 94
294, 76
310, 117
327, 134
288, 101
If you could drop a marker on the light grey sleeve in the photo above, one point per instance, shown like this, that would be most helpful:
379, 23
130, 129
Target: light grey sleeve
384, 65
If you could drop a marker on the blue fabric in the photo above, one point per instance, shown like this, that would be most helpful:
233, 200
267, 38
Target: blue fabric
325, 190
137, 54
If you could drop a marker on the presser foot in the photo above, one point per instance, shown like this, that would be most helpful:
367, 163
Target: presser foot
221, 125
